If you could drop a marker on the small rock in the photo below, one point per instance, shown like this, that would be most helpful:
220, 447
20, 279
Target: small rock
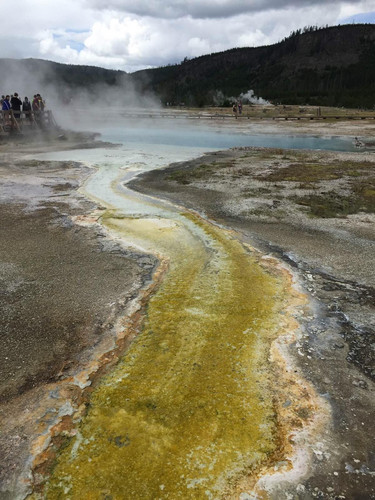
360, 383
338, 346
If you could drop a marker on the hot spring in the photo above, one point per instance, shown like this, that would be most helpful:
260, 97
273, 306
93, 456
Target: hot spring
189, 410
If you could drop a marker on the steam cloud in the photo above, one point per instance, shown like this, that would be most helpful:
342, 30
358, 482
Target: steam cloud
251, 98
76, 107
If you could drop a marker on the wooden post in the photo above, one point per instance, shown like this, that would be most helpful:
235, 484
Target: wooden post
2, 121
14, 121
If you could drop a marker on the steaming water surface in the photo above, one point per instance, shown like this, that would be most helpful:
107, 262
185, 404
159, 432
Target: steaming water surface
189, 409
214, 137
151, 145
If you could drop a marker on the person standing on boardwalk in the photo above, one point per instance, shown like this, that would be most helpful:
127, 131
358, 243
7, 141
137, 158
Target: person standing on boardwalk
6, 112
40, 114
35, 104
36, 109
41, 103
234, 109
6, 104
16, 104
26, 108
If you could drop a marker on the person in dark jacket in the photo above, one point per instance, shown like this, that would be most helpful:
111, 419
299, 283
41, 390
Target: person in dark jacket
16, 104
26, 108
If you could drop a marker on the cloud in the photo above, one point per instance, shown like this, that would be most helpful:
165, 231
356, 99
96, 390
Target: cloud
204, 9
65, 50
15, 47
113, 37
131, 42
126, 35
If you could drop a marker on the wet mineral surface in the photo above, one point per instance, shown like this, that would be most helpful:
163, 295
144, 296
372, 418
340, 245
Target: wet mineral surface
187, 412
297, 206
62, 288
189, 409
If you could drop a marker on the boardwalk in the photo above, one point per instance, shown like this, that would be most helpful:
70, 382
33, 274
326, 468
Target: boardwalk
196, 115
27, 121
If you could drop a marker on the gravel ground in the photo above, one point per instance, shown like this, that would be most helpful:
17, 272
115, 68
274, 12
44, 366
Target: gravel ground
63, 289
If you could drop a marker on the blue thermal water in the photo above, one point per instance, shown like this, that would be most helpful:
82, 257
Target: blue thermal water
148, 145
200, 136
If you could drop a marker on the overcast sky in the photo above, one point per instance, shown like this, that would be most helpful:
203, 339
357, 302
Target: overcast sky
136, 34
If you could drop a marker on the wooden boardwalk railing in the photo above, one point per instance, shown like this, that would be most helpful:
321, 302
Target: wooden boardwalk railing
17, 121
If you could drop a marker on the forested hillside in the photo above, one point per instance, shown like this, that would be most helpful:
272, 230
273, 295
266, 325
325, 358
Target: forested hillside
35, 75
328, 66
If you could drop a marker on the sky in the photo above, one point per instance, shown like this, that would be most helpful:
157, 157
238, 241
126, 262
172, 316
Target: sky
135, 34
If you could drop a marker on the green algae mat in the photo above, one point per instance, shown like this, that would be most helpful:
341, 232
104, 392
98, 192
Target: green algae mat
188, 410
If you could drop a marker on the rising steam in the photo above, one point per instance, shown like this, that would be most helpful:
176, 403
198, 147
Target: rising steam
75, 107
250, 98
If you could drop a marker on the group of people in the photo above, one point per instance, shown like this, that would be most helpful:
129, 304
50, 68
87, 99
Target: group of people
237, 108
14, 103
